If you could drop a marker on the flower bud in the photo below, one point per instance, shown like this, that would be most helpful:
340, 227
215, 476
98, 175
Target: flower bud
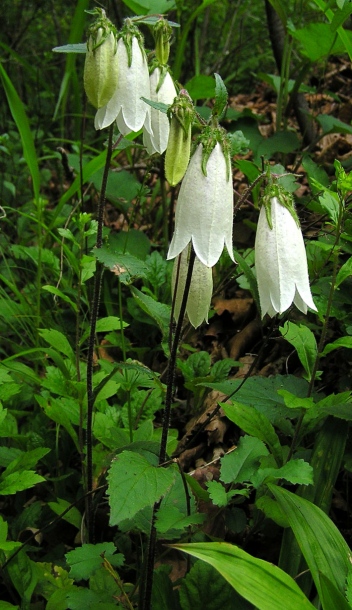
200, 291
179, 144
101, 65
162, 34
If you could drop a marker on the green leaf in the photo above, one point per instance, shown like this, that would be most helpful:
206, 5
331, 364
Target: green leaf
173, 519
125, 266
255, 423
59, 293
79, 47
294, 471
318, 41
73, 516
331, 124
163, 594
21, 120
144, 7
342, 342
85, 560
25, 461
251, 279
159, 312
220, 97
133, 483
331, 598
340, 16
201, 87
261, 393
260, 582
295, 402
240, 465
18, 481
23, 574
304, 342
321, 543
57, 340
204, 587
272, 510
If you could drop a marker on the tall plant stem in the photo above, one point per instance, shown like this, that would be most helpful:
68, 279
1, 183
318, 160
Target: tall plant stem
91, 343
323, 332
146, 597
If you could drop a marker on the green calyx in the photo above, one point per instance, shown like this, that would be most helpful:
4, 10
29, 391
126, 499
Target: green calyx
181, 115
99, 31
163, 72
162, 32
209, 137
285, 199
129, 31
183, 111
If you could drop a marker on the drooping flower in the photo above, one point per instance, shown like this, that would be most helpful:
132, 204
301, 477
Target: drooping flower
162, 89
280, 256
101, 64
200, 292
178, 150
204, 210
126, 105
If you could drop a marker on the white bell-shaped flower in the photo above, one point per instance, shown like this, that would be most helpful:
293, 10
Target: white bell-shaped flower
126, 105
280, 258
200, 291
204, 210
162, 89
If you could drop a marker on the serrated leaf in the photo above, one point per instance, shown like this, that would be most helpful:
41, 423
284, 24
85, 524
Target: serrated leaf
239, 465
217, 493
85, 560
134, 483
125, 266
18, 481
57, 340
172, 518
294, 471
272, 510
255, 423
304, 342
323, 547
260, 582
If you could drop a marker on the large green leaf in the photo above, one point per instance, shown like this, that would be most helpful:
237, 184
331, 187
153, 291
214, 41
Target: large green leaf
323, 547
133, 483
88, 558
21, 120
260, 582
304, 342
239, 466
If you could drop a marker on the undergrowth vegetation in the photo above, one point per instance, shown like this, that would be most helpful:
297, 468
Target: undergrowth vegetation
174, 425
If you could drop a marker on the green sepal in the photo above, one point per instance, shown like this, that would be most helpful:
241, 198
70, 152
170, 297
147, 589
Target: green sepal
221, 96
209, 137
129, 31
102, 22
273, 189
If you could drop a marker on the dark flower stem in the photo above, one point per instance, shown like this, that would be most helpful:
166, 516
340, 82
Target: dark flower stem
146, 597
91, 345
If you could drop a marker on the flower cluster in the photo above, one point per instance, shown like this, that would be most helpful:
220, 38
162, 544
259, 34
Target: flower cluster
116, 78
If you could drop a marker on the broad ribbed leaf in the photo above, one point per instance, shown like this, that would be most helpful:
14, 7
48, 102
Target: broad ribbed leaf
321, 543
260, 582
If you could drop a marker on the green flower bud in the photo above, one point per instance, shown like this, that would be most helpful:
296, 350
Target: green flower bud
179, 144
101, 66
162, 33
